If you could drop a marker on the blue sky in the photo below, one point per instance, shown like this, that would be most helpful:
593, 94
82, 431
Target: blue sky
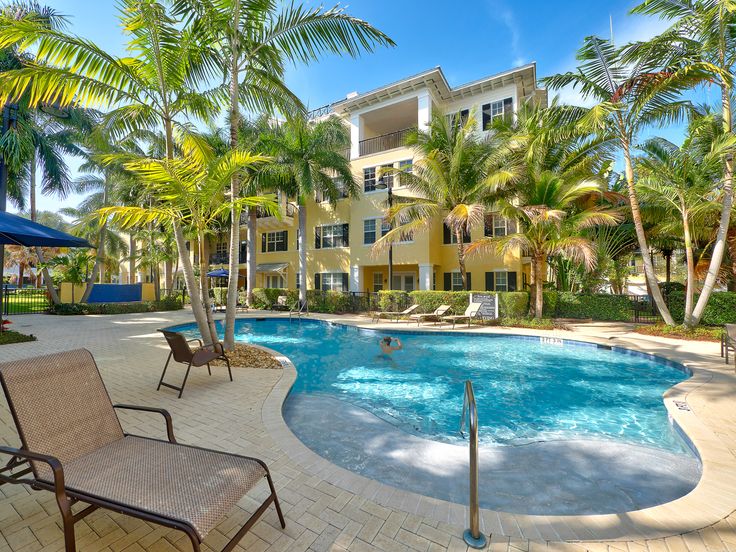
470, 39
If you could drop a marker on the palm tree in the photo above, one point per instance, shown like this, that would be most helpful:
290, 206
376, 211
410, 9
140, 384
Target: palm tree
629, 98
22, 257
680, 180
73, 267
256, 42
698, 48
458, 176
309, 158
187, 191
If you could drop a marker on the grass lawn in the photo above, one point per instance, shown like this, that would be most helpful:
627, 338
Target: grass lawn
9, 336
33, 300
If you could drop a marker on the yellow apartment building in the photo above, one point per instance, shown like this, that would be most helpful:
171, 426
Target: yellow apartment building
340, 255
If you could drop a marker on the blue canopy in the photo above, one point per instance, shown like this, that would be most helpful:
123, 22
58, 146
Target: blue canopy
218, 273
17, 230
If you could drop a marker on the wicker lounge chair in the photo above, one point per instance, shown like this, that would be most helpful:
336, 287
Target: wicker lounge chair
376, 316
438, 313
728, 340
183, 353
471, 313
74, 446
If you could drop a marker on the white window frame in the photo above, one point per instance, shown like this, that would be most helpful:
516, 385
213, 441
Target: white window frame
377, 285
331, 281
271, 240
456, 286
332, 235
496, 273
275, 278
221, 248
375, 180
496, 226
381, 224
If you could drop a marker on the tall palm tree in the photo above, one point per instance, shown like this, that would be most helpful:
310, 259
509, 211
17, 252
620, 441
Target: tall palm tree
630, 97
680, 181
309, 158
698, 48
458, 176
257, 38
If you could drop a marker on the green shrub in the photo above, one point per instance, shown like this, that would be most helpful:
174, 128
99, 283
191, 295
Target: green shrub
392, 301
513, 304
596, 307
551, 298
721, 308
165, 304
332, 302
220, 295
265, 298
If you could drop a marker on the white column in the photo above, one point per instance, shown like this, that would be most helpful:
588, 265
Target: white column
425, 276
354, 136
424, 110
356, 278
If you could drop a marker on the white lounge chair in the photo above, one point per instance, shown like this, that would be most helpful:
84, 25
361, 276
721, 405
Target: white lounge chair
376, 316
471, 313
438, 313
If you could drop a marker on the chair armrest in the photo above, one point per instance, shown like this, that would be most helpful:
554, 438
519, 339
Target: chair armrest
164, 413
195, 339
53, 463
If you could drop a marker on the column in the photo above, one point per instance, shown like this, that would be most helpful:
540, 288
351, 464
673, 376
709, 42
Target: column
354, 136
356, 278
425, 276
424, 110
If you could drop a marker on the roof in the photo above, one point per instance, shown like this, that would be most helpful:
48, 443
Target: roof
272, 267
435, 81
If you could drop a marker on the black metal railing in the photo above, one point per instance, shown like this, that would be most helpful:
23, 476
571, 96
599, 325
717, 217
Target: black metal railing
23, 301
288, 211
219, 258
384, 142
319, 112
644, 310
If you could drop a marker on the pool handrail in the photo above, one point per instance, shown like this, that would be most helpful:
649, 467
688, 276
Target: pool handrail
472, 536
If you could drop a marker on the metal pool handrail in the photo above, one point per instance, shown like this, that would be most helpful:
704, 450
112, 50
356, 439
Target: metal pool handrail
472, 536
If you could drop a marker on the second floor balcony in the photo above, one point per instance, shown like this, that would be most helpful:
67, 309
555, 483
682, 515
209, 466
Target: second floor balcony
384, 142
267, 220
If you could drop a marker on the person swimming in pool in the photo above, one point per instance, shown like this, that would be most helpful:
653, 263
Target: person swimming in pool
386, 345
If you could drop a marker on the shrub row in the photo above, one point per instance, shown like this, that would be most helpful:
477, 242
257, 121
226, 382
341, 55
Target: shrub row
721, 308
597, 307
511, 304
166, 304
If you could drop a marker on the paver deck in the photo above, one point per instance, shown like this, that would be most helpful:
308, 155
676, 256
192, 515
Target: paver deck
328, 508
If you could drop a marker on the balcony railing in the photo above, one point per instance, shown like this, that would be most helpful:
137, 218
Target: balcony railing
384, 142
289, 211
224, 258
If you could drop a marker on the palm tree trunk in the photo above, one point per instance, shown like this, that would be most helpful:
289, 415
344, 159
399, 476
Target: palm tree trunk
50, 289
252, 225
99, 259
191, 283
461, 257
720, 244
234, 261
537, 283
157, 282
204, 285
131, 259
690, 288
302, 253
641, 237
732, 257
667, 265
21, 273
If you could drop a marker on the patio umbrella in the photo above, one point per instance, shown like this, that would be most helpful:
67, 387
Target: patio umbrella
20, 231
218, 273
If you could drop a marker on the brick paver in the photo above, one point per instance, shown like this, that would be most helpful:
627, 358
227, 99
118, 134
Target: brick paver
321, 515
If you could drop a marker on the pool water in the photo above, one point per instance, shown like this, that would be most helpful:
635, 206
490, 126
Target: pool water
527, 388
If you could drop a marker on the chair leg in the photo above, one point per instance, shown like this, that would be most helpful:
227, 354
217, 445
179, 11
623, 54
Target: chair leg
70, 543
276, 501
164, 372
181, 391
229, 371
209, 370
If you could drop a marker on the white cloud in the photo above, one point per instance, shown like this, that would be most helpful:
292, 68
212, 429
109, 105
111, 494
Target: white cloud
500, 11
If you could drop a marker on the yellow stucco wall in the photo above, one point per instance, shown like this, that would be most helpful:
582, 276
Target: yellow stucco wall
66, 292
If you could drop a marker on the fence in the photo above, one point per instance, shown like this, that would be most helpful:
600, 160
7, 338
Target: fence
644, 310
23, 301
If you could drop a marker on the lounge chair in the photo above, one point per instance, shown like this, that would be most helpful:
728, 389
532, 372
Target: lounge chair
728, 340
471, 313
299, 310
183, 353
72, 444
376, 316
281, 303
438, 313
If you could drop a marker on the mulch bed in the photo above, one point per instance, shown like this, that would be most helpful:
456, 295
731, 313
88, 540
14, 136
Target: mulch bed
250, 357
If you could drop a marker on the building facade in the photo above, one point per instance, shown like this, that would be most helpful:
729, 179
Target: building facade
340, 253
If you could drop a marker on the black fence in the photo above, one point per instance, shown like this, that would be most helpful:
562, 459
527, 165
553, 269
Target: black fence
644, 310
23, 301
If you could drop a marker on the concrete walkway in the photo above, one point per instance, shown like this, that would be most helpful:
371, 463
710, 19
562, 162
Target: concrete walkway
328, 508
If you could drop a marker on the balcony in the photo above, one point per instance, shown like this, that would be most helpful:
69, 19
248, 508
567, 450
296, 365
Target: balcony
268, 221
224, 258
384, 142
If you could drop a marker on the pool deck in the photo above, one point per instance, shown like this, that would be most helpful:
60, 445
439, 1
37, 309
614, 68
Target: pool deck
331, 509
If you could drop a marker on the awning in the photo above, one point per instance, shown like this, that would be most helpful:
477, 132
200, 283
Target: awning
272, 267
21, 231
218, 273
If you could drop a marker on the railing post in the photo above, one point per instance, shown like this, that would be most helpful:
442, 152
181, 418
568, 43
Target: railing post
472, 536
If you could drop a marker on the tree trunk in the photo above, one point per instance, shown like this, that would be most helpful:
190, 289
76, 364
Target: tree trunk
642, 238
39, 252
732, 257
21, 273
302, 253
157, 282
168, 278
690, 287
720, 245
538, 285
252, 226
131, 260
667, 265
461, 257
99, 259
191, 283
204, 285
234, 261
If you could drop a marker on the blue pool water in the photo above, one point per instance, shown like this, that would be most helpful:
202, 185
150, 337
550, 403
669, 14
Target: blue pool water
527, 389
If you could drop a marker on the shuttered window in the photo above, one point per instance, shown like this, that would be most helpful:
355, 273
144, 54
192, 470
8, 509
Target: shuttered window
332, 235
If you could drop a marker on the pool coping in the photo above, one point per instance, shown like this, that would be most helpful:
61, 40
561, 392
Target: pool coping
713, 498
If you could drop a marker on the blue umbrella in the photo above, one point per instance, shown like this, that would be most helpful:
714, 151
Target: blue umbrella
20, 231
218, 273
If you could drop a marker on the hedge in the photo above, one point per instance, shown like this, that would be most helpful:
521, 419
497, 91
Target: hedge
721, 308
597, 307
265, 298
511, 304
166, 304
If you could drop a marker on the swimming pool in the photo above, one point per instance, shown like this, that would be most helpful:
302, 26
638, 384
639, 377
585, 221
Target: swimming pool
528, 389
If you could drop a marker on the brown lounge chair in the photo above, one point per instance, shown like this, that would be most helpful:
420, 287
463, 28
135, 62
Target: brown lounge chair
471, 313
438, 313
728, 340
376, 316
74, 446
182, 352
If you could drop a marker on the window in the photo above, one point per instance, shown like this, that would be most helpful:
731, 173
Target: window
450, 237
501, 277
370, 230
332, 235
496, 226
406, 165
331, 281
457, 281
340, 188
464, 114
377, 281
500, 280
274, 241
298, 280
221, 248
386, 177
501, 108
369, 179
243, 256
275, 281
